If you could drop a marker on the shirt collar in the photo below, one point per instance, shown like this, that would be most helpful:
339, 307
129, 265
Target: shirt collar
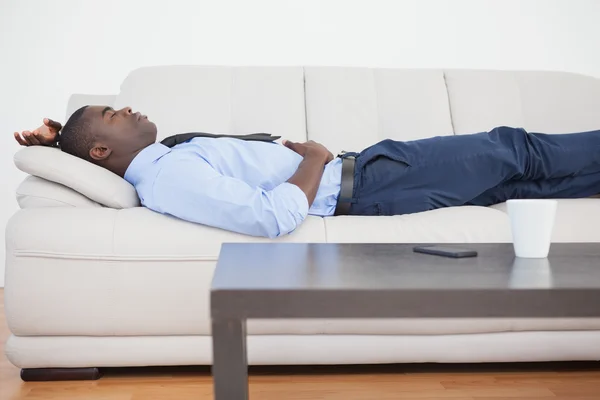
141, 162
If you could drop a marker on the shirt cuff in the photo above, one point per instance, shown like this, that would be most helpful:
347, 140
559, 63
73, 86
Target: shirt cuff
296, 204
296, 195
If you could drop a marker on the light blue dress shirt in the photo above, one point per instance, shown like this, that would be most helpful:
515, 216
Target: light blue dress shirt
230, 184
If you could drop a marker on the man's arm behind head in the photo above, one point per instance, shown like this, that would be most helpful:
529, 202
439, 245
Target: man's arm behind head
45, 135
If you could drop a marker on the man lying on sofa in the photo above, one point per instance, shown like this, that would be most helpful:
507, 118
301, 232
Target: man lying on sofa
257, 187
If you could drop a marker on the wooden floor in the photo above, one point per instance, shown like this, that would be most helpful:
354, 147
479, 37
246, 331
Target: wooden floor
572, 381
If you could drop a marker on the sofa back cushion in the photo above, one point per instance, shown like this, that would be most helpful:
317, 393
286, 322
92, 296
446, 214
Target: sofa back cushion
234, 100
352, 108
549, 102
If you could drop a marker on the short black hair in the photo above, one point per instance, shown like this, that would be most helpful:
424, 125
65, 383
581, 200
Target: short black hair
76, 137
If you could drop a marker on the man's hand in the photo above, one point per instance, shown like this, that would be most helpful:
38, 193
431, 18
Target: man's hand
310, 148
45, 135
310, 171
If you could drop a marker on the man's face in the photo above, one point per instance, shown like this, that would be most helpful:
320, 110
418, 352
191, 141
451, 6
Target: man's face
122, 131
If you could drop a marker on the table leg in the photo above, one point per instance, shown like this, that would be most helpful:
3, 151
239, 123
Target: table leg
230, 367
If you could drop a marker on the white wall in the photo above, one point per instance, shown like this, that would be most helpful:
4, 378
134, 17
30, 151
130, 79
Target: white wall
50, 49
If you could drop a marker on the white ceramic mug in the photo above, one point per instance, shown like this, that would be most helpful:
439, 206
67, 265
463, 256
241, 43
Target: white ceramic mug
531, 223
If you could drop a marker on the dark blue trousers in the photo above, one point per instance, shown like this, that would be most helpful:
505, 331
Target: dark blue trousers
393, 178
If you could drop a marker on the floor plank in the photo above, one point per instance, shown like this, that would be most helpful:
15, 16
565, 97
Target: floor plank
533, 381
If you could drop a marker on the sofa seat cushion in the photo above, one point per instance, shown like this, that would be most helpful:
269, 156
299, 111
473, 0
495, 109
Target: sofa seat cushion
101, 271
106, 272
577, 220
94, 182
467, 224
129, 234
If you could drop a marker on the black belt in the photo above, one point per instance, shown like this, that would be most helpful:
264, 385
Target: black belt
347, 188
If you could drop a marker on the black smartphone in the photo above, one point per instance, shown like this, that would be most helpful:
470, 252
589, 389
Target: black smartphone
446, 251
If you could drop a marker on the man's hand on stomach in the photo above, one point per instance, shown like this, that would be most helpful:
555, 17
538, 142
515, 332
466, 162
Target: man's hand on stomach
310, 148
309, 172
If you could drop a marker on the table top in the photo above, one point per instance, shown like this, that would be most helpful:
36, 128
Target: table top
253, 266
252, 276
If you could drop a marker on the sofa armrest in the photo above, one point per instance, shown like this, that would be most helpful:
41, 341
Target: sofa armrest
37, 192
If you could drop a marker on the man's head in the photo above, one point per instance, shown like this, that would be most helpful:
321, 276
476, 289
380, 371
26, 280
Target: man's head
107, 137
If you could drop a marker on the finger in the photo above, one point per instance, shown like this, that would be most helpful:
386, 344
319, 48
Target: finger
52, 124
292, 146
34, 140
27, 137
20, 139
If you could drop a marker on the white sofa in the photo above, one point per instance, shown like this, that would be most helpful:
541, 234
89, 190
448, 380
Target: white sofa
94, 280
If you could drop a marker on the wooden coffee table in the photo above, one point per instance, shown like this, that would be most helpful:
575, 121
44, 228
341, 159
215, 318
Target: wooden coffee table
275, 280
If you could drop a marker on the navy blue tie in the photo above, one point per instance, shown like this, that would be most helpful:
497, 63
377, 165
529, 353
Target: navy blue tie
184, 137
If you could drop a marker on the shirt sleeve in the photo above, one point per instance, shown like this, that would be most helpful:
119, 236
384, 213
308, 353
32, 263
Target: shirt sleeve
196, 192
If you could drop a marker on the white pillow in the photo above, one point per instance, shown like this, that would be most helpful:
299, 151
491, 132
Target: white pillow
92, 181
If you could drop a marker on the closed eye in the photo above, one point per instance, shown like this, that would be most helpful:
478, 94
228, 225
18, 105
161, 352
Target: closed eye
107, 109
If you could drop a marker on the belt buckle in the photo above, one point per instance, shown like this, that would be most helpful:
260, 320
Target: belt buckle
343, 156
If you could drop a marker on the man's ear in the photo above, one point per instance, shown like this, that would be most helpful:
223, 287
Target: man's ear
100, 152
